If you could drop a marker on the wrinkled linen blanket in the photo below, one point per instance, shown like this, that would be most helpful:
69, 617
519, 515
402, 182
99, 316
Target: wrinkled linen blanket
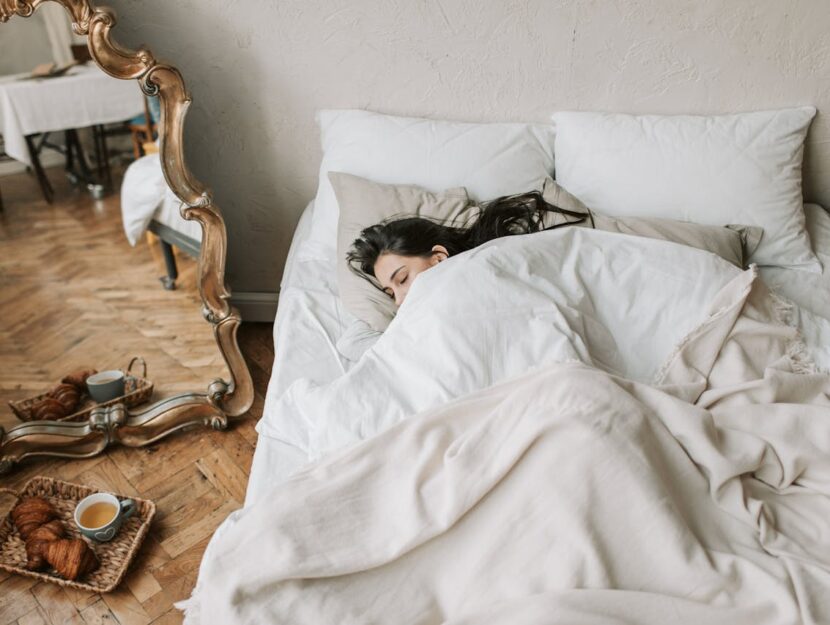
566, 495
614, 301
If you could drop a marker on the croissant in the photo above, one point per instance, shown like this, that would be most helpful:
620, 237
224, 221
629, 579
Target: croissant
70, 557
37, 540
35, 520
48, 408
68, 395
30, 514
78, 378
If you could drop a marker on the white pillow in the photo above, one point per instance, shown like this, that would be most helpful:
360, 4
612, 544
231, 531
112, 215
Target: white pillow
490, 160
712, 170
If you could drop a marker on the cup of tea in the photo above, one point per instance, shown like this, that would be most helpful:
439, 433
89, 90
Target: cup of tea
100, 516
106, 385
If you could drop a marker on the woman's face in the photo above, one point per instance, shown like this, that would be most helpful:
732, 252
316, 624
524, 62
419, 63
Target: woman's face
397, 273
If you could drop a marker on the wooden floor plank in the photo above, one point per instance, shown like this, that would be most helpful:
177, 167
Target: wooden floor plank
61, 311
173, 617
220, 470
98, 614
178, 576
35, 617
126, 608
56, 606
199, 524
16, 600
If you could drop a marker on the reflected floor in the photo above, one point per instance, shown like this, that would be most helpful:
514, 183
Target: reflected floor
76, 294
73, 292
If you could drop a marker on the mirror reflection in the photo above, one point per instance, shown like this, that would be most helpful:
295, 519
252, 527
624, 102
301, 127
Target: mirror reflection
98, 269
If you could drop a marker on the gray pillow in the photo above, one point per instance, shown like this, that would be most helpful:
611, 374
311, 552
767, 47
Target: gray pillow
734, 243
364, 203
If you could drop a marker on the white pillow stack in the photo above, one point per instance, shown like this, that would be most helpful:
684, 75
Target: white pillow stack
714, 170
490, 160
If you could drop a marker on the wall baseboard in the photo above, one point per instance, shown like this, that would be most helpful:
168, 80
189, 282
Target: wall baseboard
255, 305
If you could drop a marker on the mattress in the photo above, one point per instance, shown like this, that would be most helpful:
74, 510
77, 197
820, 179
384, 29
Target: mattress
309, 306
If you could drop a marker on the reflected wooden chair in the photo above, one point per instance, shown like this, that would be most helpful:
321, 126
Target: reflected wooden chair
142, 129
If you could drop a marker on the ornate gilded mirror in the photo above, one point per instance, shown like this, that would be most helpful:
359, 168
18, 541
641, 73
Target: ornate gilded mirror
219, 400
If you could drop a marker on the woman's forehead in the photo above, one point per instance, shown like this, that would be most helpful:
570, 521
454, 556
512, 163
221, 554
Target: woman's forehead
386, 264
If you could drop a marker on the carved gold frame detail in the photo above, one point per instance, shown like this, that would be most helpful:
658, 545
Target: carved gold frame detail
223, 399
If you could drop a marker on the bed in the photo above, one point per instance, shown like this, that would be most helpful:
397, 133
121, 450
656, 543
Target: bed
310, 326
148, 205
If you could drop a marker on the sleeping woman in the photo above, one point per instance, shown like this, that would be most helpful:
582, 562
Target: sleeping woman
390, 255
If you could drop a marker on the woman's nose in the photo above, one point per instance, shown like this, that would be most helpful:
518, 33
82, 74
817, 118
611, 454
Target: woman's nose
399, 297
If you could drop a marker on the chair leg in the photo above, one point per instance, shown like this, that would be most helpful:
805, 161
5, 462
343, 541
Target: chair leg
45, 187
169, 281
136, 143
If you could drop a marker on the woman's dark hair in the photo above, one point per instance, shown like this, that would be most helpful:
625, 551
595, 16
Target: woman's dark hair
415, 236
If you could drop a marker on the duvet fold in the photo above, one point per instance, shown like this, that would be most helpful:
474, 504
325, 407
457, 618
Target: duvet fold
613, 301
563, 495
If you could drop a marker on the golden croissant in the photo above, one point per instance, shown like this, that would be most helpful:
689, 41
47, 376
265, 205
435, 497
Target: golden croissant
68, 395
37, 540
34, 518
78, 378
70, 557
30, 513
48, 408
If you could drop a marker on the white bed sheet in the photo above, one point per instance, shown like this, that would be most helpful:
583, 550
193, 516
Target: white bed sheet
810, 291
168, 213
309, 306
145, 196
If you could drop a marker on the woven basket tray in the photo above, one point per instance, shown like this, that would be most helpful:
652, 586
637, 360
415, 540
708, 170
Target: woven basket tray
138, 391
114, 556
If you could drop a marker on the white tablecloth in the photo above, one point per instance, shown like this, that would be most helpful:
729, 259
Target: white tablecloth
83, 97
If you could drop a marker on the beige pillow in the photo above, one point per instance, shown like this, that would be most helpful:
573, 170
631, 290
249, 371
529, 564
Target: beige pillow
364, 203
733, 243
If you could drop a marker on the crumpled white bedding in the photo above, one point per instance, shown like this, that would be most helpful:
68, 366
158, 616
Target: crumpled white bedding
614, 301
810, 291
145, 196
312, 326
564, 496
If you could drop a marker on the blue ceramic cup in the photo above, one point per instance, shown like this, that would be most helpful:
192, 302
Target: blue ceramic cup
106, 385
100, 516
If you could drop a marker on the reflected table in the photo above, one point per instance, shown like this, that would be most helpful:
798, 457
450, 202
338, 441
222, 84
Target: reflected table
84, 96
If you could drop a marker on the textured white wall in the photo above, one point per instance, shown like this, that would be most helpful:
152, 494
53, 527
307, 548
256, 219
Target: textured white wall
24, 45
259, 69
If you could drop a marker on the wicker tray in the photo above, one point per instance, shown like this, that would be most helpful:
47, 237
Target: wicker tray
114, 556
138, 390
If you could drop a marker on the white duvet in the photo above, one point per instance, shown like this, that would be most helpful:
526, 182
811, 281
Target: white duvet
617, 302
563, 496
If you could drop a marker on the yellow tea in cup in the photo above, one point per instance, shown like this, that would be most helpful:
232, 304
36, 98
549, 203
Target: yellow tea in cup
98, 514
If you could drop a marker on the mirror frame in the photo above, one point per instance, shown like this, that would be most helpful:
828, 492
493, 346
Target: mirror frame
223, 400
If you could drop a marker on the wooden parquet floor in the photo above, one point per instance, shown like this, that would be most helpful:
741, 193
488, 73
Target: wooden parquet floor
72, 293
